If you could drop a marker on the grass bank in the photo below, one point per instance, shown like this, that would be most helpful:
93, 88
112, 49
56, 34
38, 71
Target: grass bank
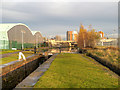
107, 54
76, 71
14, 57
5, 51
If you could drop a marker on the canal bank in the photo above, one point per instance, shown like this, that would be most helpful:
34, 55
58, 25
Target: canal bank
31, 80
105, 56
15, 72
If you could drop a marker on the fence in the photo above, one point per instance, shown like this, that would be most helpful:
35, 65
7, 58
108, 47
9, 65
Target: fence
4, 44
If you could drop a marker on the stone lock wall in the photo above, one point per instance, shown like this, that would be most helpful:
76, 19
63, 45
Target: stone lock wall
11, 79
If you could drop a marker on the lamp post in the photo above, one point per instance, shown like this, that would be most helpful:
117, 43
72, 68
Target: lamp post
107, 38
4, 42
114, 40
22, 39
38, 41
48, 39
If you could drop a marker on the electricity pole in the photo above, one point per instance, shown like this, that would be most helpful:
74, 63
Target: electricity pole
22, 39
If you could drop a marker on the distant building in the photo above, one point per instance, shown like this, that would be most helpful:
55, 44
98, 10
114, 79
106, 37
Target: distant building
75, 35
69, 35
101, 34
108, 42
57, 38
44, 39
37, 36
72, 36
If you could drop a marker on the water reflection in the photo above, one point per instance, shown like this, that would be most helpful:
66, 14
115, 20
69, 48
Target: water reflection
63, 50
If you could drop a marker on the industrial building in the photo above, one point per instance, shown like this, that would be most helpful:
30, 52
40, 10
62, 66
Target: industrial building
18, 36
108, 42
101, 34
72, 36
57, 38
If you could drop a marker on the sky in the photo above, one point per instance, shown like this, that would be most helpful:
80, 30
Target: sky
57, 17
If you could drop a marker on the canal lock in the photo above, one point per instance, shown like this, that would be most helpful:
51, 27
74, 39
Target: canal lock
13, 78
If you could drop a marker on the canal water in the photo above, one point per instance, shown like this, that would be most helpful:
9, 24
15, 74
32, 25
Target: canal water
63, 50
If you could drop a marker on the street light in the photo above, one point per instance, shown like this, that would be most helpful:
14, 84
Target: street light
22, 39
108, 43
114, 37
37, 40
4, 42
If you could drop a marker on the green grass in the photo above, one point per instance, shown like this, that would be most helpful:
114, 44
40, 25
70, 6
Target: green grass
4, 51
14, 57
74, 71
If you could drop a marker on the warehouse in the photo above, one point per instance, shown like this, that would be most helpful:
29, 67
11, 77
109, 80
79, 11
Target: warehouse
18, 36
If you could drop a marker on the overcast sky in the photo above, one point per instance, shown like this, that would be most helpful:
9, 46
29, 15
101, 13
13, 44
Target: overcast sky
55, 18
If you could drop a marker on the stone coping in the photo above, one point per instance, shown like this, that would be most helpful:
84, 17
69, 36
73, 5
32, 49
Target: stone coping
6, 68
31, 80
4, 65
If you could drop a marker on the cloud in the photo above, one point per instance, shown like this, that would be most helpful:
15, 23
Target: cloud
56, 17
62, 0
15, 15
